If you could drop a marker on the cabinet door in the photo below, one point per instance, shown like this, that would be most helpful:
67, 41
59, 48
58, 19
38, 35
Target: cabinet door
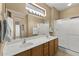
52, 48
56, 45
37, 51
45, 49
25, 53
28, 53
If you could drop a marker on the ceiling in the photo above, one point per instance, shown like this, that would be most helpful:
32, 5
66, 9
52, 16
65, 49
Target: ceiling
60, 6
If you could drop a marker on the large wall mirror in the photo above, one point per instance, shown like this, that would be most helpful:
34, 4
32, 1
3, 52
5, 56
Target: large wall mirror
15, 25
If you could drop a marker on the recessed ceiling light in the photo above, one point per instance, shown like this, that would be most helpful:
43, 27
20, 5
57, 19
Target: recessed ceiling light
69, 4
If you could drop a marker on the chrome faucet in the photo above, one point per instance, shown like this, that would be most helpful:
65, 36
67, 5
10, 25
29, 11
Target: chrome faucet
24, 41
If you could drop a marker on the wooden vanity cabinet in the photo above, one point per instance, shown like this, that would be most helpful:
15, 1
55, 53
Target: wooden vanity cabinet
24, 53
56, 45
45, 49
37, 51
51, 48
28, 52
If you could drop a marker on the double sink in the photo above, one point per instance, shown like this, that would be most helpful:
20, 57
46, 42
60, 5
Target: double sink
33, 41
23, 44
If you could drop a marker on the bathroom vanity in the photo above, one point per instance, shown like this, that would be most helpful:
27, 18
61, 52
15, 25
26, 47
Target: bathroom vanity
46, 49
34, 46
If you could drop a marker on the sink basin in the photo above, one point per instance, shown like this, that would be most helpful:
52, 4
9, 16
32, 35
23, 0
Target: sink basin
26, 44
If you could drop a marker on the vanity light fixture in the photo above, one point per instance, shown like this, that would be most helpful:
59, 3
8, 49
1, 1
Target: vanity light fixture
35, 9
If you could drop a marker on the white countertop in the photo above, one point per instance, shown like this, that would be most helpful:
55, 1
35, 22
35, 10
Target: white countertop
17, 46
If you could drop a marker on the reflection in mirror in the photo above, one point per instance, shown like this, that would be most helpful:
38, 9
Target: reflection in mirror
8, 27
5, 26
15, 25
0, 35
0, 31
17, 29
